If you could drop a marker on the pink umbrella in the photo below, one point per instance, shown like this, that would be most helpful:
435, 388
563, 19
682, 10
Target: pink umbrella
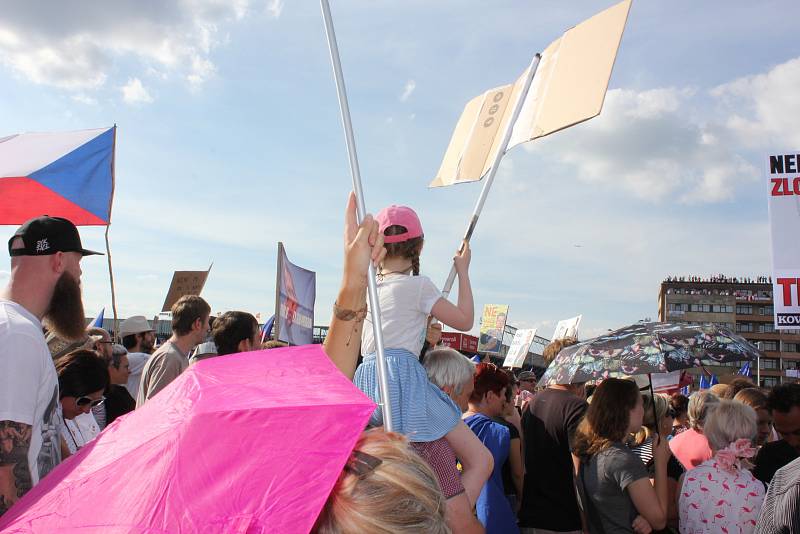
247, 443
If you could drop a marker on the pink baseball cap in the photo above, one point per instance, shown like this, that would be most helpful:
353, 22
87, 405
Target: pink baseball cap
401, 216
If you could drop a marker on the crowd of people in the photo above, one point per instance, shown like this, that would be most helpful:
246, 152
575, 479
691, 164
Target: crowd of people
721, 279
474, 447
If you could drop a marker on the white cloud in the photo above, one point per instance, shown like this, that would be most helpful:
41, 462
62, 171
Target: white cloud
134, 92
650, 144
84, 99
275, 8
75, 46
762, 109
407, 90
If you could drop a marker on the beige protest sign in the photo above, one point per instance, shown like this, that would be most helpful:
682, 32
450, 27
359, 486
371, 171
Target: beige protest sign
184, 283
569, 87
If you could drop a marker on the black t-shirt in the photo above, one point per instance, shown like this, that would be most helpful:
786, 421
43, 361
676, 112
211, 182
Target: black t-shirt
772, 457
508, 481
548, 496
118, 402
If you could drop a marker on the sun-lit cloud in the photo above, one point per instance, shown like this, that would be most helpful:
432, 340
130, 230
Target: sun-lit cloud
75, 46
134, 92
651, 145
407, 90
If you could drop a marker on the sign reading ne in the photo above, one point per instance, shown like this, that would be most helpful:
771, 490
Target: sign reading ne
493, 324
783, 179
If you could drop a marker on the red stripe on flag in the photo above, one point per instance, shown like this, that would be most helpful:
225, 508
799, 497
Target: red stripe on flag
22, 199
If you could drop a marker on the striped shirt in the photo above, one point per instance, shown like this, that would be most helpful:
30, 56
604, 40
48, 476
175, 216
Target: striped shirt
780, 513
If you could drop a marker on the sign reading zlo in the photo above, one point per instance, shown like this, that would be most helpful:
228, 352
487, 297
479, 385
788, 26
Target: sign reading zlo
783, 179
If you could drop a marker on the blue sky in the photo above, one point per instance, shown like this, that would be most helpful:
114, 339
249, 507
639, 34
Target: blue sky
230, 140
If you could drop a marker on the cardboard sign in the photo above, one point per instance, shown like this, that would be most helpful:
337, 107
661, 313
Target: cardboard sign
567, 328
783, 179
520, 346
184, 283
493, 325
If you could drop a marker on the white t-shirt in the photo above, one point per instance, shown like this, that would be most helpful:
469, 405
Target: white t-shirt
406, 303
29, 386
79, 431
136, 362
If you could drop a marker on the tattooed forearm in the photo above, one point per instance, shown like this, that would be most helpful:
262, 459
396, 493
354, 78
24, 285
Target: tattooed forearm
15, 476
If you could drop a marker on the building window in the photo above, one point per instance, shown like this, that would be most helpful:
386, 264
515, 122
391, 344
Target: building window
721, 308
766, 328
769, 363
769, 381
791, 364
790, 347
744, 309
769, 345
765, 310
700, 307
744, 327
677, 306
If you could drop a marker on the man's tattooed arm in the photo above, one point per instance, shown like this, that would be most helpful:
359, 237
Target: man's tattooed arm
15, 476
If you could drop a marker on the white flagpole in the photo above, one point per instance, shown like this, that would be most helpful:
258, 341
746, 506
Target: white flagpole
487, 184
356, 175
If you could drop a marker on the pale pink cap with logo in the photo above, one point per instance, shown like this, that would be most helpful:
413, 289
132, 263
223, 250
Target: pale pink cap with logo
400, 216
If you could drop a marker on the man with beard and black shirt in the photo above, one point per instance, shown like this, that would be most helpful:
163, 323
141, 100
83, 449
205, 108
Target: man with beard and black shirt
44, 285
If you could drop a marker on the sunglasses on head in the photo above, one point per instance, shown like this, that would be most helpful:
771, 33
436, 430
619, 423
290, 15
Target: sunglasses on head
83, 401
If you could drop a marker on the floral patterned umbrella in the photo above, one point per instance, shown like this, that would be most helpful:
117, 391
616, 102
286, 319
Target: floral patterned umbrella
645, 348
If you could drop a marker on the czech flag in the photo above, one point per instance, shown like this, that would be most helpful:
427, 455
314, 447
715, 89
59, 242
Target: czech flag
62, 174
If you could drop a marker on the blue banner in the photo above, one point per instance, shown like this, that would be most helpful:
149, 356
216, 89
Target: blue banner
297, 294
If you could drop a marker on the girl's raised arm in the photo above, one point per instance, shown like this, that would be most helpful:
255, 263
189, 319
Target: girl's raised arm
461, 316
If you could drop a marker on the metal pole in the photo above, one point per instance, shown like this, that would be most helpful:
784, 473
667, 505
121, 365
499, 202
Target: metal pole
276, 325
356, 175
760, 346
487, 184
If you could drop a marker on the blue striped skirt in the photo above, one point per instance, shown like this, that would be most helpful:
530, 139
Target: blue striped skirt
420, 410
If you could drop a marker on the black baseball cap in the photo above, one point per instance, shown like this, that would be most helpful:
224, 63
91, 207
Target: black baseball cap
44, 236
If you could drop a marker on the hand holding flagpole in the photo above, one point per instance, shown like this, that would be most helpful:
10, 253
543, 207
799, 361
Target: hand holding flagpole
361, 210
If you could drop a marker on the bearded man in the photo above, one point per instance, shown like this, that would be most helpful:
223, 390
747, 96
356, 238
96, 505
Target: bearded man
44, 287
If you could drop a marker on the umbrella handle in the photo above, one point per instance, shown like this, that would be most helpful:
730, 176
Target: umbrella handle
653, 403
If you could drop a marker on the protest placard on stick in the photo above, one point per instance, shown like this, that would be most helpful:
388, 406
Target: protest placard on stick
520, 346
184, 283
493, 324
567, 328
563, 86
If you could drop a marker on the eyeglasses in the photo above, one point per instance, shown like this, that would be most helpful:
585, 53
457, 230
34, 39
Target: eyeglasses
83, 401
671, 413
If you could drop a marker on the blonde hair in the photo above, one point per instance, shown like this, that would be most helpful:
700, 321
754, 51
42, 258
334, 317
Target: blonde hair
753, 397
554, 347
401, 495
649, 426
701, 403
722, 391
730, 420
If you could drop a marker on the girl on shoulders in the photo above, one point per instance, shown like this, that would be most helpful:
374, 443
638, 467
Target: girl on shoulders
421, 411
